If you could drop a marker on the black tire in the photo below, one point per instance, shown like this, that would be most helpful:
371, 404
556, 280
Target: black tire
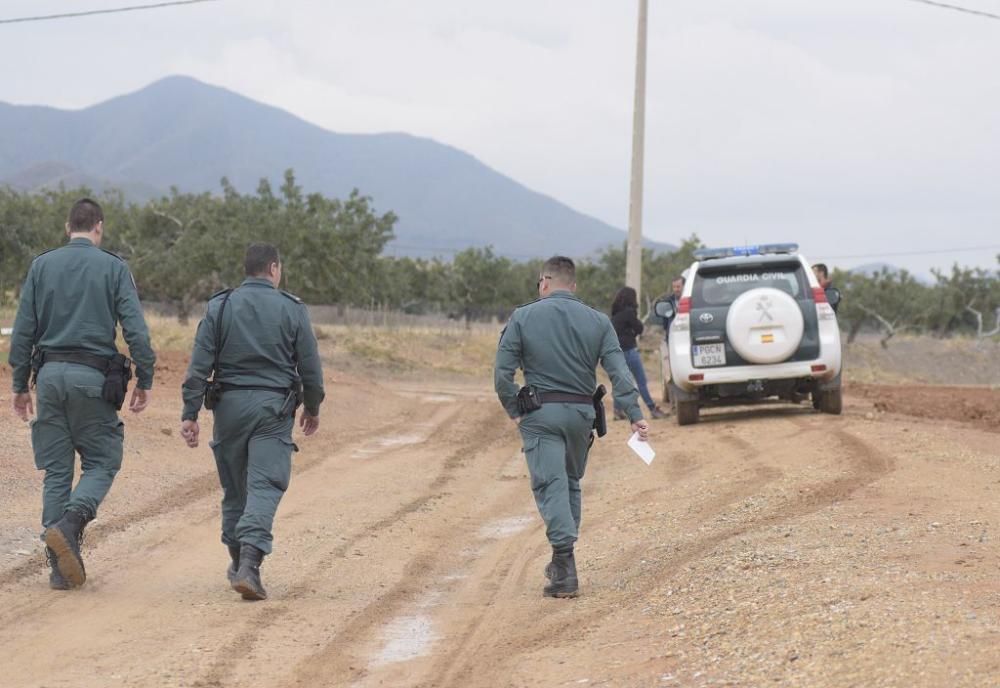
687, 412
831, 401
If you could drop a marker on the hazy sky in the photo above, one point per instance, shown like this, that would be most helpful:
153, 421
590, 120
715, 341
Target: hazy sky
858, 128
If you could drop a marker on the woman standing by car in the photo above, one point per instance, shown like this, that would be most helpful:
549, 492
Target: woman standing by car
625, 318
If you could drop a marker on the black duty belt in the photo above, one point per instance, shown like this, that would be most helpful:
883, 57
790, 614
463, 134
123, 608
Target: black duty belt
81, 357
565, 398
226, 387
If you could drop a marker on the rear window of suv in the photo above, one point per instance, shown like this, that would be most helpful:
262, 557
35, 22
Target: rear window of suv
720, 287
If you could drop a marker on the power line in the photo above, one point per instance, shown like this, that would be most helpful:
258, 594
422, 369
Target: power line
113, 10
940, 251
979, 13
393, 246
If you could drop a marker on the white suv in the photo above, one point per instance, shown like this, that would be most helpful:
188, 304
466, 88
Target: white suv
752, 323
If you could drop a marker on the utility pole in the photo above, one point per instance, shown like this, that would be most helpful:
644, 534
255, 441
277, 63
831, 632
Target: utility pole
633, 253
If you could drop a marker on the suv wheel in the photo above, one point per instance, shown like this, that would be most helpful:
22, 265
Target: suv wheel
829, 401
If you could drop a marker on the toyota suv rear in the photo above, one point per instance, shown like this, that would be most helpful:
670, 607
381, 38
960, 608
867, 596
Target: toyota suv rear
752, 323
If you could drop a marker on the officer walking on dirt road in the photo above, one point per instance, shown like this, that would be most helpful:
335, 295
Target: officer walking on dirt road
258, 344
64, 333
558, 342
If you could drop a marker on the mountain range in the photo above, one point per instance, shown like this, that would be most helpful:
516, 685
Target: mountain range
180, 132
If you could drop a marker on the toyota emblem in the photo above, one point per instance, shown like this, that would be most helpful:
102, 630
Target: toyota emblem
706, 318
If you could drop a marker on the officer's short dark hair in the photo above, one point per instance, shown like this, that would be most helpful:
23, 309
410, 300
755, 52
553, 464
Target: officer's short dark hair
259, 259
561, 269
679, 278
84, 215
822, 268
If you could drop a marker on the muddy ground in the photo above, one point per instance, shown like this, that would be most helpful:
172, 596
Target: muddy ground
763, 546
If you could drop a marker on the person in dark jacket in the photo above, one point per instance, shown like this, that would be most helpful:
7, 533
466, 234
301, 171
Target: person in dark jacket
625, 319
823, 277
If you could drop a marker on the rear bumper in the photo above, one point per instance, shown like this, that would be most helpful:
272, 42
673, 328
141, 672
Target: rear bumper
682, 369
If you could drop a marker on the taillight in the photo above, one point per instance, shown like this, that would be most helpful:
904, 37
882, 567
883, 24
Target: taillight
818, 368
685, 305
819, 295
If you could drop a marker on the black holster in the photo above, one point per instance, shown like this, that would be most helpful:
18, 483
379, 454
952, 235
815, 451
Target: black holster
117, 370
116, 377
528, 400
213, 390
600, 419
292, 401
37, 358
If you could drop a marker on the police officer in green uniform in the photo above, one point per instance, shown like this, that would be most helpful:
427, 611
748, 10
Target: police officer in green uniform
558, 342
72, 300
260, 344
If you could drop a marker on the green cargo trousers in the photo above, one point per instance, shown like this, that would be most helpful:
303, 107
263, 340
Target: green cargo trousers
253, 453
72, 417
556, 442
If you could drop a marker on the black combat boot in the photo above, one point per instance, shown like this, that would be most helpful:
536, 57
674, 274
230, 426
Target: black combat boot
234, 554
56, 580
563, 582
247, 582
63, 539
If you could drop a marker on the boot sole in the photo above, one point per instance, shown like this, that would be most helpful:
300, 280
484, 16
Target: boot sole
69, 563
247, 591
562, 595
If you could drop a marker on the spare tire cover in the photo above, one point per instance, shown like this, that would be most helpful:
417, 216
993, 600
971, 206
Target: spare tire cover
764, 325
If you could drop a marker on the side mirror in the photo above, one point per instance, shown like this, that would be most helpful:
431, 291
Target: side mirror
664, 309
832, 296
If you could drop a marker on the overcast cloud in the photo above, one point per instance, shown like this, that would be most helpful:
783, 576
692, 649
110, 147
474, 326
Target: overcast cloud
856, 127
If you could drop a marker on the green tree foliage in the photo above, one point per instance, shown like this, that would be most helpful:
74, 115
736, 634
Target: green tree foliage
599, 280
894, 301
183, 247
30, 224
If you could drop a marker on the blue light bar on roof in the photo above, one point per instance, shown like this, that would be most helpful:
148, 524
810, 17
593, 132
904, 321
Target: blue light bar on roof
734, 251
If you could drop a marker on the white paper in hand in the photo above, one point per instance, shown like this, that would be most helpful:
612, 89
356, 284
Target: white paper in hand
641, 448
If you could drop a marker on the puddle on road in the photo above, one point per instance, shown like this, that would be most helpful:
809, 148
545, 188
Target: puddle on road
409, 636
387, 444
505, 527
445, 396
439, 398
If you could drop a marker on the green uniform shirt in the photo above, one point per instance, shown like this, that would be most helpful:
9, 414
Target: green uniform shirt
558, 342
267, 340
72, 299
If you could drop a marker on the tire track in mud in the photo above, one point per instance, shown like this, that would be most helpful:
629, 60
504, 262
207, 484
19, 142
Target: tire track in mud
319, 666
868, 464
181, 496
448, 668
478, 637
176, 499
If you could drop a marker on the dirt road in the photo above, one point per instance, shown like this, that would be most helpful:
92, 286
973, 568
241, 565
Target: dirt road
769, 547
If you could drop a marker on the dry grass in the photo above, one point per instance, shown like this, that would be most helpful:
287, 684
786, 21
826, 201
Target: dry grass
923, 360
167, 334
448, 349
400, 349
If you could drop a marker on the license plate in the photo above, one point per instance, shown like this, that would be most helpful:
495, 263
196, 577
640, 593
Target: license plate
708, 355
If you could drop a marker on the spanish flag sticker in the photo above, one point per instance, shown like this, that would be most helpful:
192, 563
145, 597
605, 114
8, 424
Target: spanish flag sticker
767, 339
